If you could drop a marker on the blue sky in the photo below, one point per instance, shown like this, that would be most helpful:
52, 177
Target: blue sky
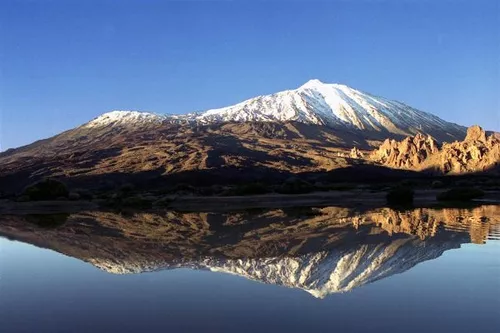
64, 62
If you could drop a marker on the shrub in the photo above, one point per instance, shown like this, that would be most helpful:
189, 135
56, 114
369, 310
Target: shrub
183, 189
400, 196
460, 194
47, 220
108, 185
251, 189
210, 190
127, 188
22, 198
465, 183
74, 196
163, 202
437, 184
137, 202
295, 186
48, 189
301, 212
180, 188
85, 194
407, 183
120, 202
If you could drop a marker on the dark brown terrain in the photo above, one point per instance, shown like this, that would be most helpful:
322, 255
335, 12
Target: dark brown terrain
167, 150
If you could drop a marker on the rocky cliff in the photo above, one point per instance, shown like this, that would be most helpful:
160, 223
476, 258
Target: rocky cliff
408, 153
478, 152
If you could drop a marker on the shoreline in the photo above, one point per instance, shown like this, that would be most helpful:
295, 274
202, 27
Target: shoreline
349, 199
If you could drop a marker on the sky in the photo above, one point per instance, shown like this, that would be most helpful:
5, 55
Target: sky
64, 62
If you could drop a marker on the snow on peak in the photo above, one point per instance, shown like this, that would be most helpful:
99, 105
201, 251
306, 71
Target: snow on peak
124, 117
315, 102
335, 271
312, 83
334, 105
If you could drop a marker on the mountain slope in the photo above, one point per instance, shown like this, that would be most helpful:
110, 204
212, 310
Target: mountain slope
160, 150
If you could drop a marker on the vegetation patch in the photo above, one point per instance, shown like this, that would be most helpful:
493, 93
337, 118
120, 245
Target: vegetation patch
137, 202
407, 183
48, 221
250, 189
48, 189
119, 201
302, 212
84, 194
437, 184
210, 190
295, 186
163, 202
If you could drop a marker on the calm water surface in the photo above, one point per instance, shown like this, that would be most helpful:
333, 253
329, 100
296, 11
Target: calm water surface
321, 270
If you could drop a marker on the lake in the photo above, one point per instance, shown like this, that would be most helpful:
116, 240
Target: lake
284, 270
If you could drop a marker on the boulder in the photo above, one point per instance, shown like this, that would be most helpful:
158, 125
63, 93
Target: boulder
475, 133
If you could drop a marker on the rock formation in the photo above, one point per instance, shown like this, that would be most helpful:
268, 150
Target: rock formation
475, 133
356, 153
476, 153
406, 154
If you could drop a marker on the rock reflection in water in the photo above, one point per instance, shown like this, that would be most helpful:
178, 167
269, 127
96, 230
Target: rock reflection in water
320, 250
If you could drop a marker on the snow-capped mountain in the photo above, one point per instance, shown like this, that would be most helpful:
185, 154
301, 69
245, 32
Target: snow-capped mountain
334, 271
315, 102
306, 131
320, 274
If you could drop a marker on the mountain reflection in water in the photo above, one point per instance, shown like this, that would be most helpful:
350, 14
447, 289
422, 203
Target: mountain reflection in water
319, 250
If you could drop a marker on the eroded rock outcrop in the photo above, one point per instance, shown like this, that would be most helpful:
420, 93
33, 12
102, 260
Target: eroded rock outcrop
476, 153
475, 133
408, 154
355, 153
